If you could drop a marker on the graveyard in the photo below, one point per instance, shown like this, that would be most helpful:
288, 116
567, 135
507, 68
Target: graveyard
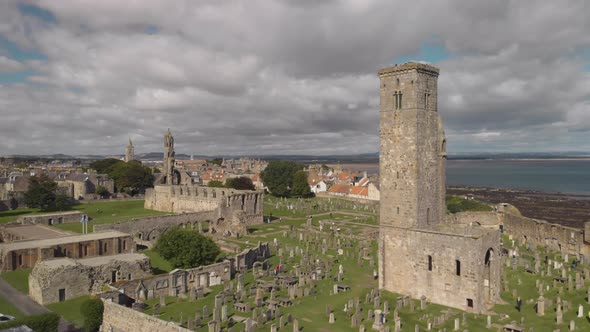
330, 244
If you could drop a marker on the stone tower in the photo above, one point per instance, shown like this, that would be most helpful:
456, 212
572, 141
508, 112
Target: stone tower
422, 253
412, 152
129, 152
169, 157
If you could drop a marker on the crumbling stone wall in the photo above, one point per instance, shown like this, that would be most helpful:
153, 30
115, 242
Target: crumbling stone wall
85, 276
51, 218
187, 199
149, 229
533, 232
118, 318
490, 219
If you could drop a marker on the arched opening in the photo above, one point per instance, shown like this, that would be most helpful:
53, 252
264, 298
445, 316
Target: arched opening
458, 267
429, 263
488, 261
443, 147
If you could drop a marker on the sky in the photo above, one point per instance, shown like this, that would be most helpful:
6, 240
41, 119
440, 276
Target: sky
259, 77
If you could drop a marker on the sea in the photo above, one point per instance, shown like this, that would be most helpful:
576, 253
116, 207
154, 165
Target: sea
548, 175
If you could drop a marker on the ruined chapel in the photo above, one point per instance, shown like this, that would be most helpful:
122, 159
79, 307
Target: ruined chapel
422, 254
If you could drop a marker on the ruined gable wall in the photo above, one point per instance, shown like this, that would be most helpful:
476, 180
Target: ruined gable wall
79, 280
404, 266
117, 318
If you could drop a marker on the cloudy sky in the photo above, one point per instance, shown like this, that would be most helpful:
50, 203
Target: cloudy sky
286, 76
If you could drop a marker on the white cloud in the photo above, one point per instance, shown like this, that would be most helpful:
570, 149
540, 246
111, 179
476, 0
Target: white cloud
288, 76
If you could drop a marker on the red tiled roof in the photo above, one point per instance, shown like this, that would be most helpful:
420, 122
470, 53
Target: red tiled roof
339, 189
361, 191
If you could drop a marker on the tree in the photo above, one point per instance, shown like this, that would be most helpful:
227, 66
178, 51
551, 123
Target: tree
215, 184
131, 177
92, 310
43, 194
102, 192
186, 249
300, 186
278, 176
215, 161
240, 183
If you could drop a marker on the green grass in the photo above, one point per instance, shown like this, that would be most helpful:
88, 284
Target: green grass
8, 309
459, 204
159, 264
108, 213
19, 279
11, 215
70, 310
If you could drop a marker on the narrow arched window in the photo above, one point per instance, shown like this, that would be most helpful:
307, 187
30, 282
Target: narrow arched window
429, 263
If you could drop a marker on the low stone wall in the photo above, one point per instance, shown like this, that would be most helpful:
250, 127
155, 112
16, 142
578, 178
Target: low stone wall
56, 218
566, 240
117, 318
177, 282
151, 228
485, 219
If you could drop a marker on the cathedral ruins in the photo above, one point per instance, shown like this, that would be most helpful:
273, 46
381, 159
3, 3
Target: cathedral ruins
421, 253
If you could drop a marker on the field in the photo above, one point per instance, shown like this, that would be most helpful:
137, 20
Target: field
99, 212
357, 222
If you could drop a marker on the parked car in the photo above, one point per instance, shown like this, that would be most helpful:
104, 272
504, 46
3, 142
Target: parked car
5, 318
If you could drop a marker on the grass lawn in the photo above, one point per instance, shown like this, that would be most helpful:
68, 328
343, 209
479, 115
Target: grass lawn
70, 310
159, 264
19, 279
11, 215
8, 309
108, 213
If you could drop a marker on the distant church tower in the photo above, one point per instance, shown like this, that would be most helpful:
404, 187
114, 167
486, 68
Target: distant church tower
412, 152
169, 157
129, 152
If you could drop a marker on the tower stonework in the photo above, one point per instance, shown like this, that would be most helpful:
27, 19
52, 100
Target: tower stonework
129, 152
421, 252
169, 158
412, 158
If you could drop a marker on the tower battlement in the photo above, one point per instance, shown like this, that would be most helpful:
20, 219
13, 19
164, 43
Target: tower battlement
420, 67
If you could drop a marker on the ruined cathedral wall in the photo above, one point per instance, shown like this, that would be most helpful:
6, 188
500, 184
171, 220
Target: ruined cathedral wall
491, 220
405, 266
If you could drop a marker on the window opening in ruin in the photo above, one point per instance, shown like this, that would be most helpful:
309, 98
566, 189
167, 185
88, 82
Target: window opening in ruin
397, 81
124, 244
62, 294
458, 267
114, 276
470, 303
214, 194
429, 263
20, 259
398, 210
426, 95
50, 221
129, 276
400, 100
86, 250
105, 247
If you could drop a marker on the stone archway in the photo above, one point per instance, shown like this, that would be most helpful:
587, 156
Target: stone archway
489, 291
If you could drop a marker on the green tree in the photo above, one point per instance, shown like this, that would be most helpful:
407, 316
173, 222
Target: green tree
240, 183
131, 177
278, 176
186, 249
215, 184
215, 161
300, 186
92, 310
102, 192
43, 194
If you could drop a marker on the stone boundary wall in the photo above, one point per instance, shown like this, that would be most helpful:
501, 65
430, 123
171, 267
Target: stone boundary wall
117, 318
488, 219
567, 240
55, 218
151, 228
181, 281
